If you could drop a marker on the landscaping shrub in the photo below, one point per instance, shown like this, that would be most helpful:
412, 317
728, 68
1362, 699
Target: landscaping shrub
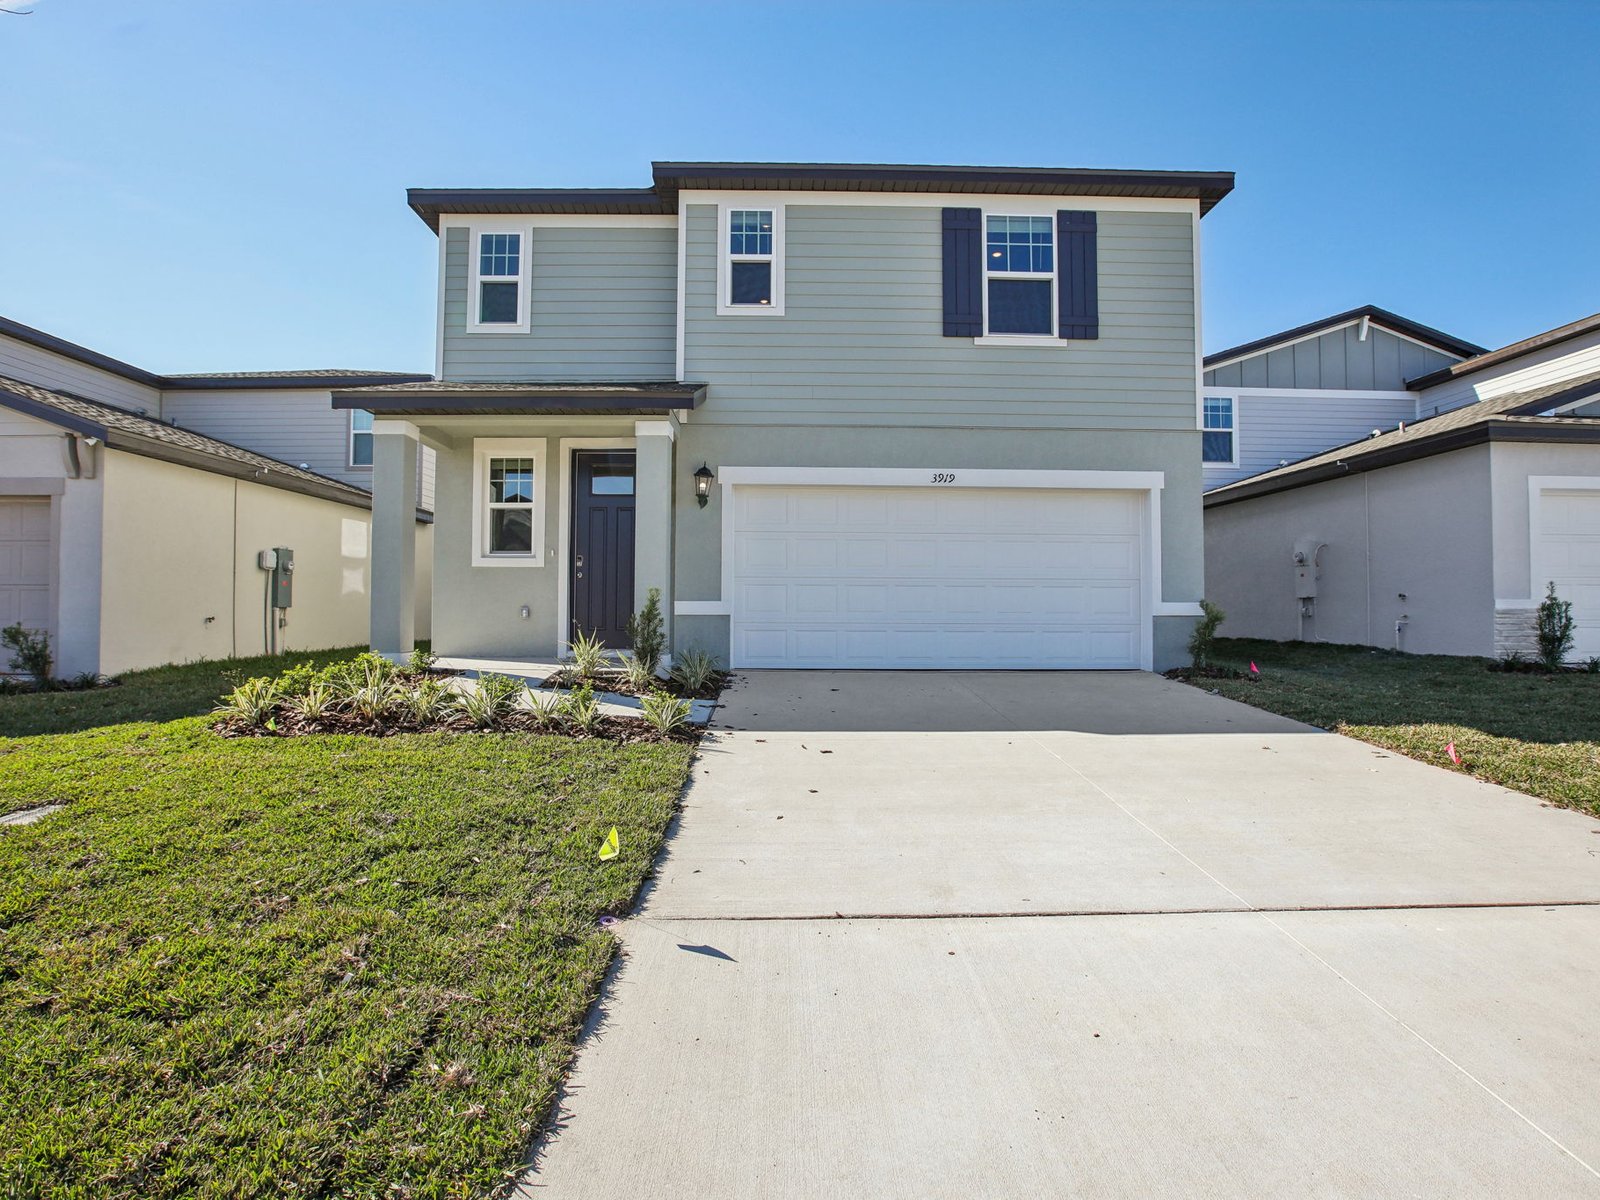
639, 675
588, 654
694, 671
1555, 630
253, 702
645, 632
665, 713
492, 699
30, 652
582, 709
1203, 641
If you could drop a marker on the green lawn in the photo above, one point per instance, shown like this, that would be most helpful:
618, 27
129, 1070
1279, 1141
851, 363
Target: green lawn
331, 966
1539, 734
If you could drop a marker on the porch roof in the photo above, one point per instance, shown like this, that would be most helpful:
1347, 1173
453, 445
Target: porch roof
439, 398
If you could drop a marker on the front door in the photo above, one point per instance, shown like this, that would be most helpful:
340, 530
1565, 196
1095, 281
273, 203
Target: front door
602, 544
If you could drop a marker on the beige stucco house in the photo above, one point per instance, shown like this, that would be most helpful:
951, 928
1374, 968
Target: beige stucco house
1438, 534
134, 509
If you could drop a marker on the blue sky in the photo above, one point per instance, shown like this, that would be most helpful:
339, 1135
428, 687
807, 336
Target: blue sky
217, 185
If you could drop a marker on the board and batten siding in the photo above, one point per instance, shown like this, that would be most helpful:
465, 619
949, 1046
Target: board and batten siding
47, 369
292, 425
602, 306
1576, 359
1273, 429
1337, 359
861, 340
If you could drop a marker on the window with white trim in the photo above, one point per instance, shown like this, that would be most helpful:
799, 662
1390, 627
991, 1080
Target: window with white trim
1218, 444
499, 280
360, 438
750, 265
1020, 275
508, 517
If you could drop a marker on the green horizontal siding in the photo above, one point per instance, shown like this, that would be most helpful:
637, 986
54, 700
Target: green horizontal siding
860, 340
603, 305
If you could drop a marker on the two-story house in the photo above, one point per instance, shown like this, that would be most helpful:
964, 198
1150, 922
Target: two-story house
841, 416
135, 507
1440, 518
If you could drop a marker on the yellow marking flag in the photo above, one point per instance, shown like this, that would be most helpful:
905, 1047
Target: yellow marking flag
608, 848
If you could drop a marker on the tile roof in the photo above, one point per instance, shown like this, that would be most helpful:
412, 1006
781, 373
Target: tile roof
1434, 435
128, 431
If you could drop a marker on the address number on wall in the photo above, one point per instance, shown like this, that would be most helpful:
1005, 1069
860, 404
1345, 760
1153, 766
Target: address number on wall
944, 477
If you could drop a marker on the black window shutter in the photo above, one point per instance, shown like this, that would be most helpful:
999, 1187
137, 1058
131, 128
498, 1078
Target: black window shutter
1078, 278
963, 272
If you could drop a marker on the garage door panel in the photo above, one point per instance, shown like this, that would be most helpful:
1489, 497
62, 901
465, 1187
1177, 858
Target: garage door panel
26, 560
1569, 554
896, 577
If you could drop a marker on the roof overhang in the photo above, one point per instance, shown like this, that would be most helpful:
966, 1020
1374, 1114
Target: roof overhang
1205, 187
1493, 358
1382, 318
524, 399
1556, 430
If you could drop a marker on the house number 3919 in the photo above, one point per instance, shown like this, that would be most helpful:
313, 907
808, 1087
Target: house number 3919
944, 477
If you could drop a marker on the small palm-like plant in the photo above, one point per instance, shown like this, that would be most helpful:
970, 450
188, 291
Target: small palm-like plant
425, 702
693, 670
639, 674
313, 704
253, 702
489, 701
374, 692
664, 713
588, 654
582, 709
546, 708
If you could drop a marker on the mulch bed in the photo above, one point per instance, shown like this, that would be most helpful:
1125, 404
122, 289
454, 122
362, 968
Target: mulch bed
617, 682
624, 730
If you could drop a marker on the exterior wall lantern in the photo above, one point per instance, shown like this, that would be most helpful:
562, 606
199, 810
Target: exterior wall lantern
702, 484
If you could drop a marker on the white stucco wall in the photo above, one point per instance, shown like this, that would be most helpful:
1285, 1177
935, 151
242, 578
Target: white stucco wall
1420, 530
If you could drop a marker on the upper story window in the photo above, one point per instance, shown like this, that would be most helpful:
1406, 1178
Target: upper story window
499, 280
750, 264
1218, 444
508, 485
1020, 264
360, 438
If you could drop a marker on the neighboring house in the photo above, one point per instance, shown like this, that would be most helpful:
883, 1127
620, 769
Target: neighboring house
133, 507
1277, 400
1440, 537
842, 416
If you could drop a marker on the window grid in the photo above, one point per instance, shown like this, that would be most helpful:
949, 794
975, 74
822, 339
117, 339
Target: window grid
511, 505
750, 233
499, 255
1019, 294
1216, 431
1021, 245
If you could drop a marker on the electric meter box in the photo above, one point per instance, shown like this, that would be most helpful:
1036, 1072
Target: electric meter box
282, 577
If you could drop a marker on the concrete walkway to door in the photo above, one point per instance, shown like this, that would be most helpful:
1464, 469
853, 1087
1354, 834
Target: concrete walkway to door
1003, 934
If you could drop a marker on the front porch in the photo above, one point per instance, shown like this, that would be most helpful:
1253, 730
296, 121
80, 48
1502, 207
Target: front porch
553, 511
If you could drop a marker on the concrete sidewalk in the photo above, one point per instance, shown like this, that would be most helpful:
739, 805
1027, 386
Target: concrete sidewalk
770, 1033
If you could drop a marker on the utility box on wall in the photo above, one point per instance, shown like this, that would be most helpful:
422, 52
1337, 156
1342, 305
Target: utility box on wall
282, 582
1307, 567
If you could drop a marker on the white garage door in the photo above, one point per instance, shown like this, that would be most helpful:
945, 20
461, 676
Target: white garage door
25, 564
937, 577
1569, 554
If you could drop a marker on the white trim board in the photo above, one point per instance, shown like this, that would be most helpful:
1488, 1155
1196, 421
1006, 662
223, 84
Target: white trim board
561, 220
1025, 205
1307, 337
1222, 389
523, 278
483, 449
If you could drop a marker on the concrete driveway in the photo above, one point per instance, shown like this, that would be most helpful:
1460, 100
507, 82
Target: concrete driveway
988, 935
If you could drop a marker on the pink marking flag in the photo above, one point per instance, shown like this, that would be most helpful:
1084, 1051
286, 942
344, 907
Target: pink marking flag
1254, 670
1451, 751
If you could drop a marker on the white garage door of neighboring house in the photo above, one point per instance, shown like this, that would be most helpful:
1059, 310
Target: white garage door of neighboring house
1569, 554
889, 577
25, 564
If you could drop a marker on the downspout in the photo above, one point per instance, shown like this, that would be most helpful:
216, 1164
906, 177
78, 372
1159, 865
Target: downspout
1366, 499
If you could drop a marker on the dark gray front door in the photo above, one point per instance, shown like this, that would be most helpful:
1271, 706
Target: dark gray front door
602, 544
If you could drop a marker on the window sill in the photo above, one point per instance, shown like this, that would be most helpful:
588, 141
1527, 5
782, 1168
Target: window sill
508, 560
520, 327
749, 310
1020, 339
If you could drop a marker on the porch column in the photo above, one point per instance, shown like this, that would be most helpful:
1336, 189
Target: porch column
652, 519
394, 536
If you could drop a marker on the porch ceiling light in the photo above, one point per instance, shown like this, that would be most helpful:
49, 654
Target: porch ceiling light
702, 484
